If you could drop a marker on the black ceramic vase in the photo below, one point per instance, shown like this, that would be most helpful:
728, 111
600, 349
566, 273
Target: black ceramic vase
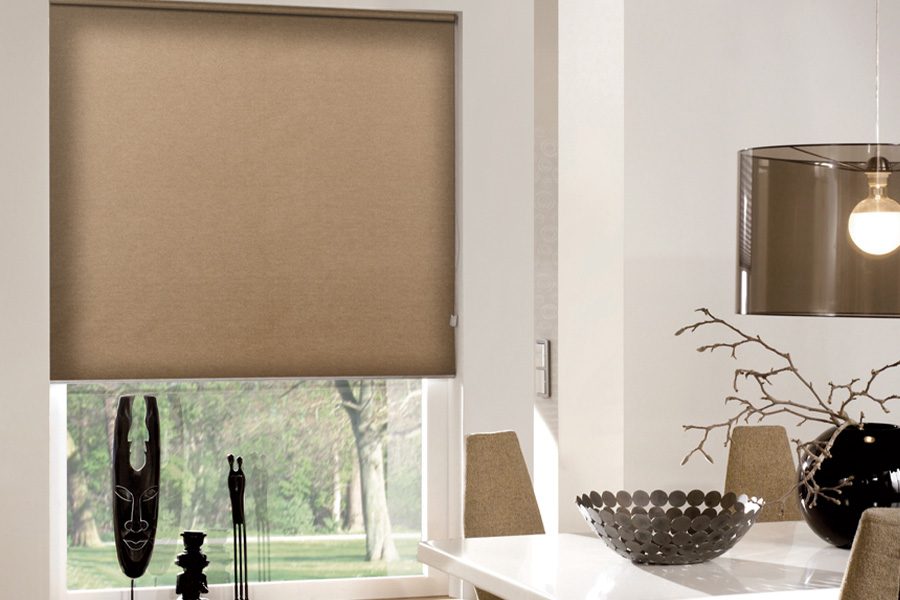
870, 455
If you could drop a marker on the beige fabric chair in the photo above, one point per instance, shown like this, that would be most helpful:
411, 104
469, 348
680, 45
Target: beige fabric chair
873, 572
761, 464
499, 498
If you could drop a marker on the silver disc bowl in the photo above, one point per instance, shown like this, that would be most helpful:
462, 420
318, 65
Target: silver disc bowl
669, 528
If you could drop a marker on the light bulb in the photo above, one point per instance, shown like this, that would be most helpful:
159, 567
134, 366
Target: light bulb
875, 222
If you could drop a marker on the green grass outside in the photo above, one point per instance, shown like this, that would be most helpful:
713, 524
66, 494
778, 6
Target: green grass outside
328, 558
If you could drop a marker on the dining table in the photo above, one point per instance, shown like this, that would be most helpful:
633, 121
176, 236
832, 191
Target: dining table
773, 561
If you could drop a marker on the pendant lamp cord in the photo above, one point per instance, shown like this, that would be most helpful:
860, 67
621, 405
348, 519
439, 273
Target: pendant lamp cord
877, 79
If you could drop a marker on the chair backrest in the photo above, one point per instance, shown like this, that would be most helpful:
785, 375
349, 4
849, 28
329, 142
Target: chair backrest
761, 464
873, 572
499, 497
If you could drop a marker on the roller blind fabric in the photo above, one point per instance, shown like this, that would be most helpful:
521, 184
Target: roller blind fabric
241, 194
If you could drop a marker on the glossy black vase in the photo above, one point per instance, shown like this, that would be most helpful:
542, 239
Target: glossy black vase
872, 457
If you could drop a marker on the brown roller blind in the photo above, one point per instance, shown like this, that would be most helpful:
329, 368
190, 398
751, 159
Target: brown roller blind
250, 193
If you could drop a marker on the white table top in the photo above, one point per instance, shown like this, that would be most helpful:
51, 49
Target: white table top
774, 561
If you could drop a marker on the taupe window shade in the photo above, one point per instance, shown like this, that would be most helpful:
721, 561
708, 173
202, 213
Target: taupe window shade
250, 192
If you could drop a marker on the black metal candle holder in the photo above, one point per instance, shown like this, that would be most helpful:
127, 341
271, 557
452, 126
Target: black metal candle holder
192, 582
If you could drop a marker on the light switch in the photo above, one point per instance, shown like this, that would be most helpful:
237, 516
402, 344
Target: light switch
540, 383
540, 353
542, 368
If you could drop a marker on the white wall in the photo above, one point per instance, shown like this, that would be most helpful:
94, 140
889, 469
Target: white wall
24, 301
495, 292
656, 98
703, 79
546, 252
591, 241
496, 295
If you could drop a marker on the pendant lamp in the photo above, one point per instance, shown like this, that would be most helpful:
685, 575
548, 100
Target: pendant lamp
818, 227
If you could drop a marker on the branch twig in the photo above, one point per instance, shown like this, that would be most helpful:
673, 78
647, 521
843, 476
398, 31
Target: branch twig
814, 408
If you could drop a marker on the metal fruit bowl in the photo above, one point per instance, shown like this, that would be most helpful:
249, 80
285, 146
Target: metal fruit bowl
673, 528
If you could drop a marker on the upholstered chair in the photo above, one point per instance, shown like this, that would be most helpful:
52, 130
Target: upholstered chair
499, 497
761, 464
873, 572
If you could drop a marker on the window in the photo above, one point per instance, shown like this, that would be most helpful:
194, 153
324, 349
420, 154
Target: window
292, 109
495, 87
305, 521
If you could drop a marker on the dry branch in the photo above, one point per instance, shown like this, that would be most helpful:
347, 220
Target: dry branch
812, 407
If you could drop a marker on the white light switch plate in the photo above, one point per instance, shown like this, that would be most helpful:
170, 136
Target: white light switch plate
542, 368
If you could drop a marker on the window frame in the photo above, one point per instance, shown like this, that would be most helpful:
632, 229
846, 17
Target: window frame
441, 485
494, 275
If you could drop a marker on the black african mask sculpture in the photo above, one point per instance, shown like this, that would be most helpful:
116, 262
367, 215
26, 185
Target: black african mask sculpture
135, 491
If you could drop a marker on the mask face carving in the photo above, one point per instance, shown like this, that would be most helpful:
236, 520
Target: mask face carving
135, 492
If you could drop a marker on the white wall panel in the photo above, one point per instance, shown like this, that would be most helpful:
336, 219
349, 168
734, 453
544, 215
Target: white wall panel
592, 196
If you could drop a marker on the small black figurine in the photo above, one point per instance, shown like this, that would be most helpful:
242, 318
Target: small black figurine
135, 491
236, 484
192, 582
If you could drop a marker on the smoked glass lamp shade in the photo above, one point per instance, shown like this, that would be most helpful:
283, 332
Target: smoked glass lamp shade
795, 254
